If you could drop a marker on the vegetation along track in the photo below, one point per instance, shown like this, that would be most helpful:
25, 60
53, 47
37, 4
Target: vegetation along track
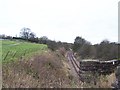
105, 66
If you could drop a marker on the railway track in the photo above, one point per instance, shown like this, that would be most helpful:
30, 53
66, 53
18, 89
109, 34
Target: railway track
74, 63
91, 67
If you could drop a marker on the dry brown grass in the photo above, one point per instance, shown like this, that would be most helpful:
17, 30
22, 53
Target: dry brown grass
106, 81
102, 81
45, 70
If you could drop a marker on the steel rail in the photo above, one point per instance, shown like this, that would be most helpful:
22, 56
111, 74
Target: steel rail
74, 66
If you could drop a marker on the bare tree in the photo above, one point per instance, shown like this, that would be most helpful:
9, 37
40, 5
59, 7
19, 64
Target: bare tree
32, 35
25, 33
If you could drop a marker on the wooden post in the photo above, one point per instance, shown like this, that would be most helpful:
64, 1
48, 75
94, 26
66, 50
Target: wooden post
6, 55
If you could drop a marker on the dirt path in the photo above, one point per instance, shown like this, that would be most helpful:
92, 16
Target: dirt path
14, 44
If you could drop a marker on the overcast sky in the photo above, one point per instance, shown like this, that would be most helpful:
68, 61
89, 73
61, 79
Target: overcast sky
94, 20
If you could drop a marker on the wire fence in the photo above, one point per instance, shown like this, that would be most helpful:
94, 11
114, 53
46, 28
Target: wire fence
18, 54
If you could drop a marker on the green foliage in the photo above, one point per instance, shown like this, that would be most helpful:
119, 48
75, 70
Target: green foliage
12, 50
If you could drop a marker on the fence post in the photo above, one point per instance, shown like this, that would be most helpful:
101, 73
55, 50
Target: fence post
14, 54
6, 55
24, 53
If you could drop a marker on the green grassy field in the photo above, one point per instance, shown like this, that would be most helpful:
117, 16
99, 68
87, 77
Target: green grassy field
15, 50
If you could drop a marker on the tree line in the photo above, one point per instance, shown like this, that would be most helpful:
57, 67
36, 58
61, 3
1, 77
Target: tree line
27, 35
106, 50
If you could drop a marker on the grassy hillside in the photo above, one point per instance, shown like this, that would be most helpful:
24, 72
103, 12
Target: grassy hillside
14, 50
